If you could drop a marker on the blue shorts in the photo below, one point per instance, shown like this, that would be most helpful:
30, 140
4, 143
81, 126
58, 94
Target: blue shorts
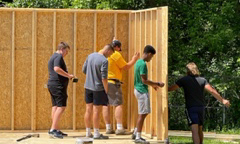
195, 115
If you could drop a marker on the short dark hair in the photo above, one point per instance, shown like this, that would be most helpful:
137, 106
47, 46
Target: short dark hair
63, 45
149, 49
109, 47
116, 43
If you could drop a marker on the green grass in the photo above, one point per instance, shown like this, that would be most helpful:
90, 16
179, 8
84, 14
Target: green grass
229, 131
187, 140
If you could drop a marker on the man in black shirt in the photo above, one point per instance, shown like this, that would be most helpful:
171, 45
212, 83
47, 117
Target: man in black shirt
57, 86
193, 86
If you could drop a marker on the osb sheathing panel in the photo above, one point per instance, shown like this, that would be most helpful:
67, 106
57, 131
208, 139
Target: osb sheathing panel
5, 30
5, 69
23, 30
23, 70
44, 31
44, 51
64, 32
85, 45
105, 29
122, 35
105, 33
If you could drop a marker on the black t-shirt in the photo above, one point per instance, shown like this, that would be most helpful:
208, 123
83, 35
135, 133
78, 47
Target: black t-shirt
54, 78
193, 90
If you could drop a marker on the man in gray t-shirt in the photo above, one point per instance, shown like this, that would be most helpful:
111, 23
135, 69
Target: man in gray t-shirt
96, 87
96, 69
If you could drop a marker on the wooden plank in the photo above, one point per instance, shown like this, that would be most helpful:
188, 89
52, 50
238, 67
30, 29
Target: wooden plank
13, 70
162, 113
164, 68
67, 10
139, 11
113, 108
133, 49
54, 31
140, 50
154, 93
153, 114
148, 128
159, 93
34, 41
95, 32
115, 25
74, 69
129, 74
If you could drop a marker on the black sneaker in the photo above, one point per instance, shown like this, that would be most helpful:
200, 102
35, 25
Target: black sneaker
141, 141
63, 134
101, 137
55, 134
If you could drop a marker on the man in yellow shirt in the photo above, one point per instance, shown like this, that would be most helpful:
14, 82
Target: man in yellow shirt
116, 66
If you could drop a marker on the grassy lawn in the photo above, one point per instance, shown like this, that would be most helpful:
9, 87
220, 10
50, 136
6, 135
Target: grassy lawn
186, 140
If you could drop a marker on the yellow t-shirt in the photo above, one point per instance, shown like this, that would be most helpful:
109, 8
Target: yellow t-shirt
115, 64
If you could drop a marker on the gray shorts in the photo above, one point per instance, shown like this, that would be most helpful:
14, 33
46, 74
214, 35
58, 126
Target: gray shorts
115, 97
143, 102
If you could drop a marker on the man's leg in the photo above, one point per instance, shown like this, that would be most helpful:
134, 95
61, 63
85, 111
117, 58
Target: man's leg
200, 133
56, 117
87, 119
140, 121
118, 115
96, 113
54, 108
106, 117
195, 134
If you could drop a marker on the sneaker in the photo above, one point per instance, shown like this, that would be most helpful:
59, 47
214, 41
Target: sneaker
55, 134
141, 141
90, 136
134, 137
63, 134
122, 132
101, 137
110, 131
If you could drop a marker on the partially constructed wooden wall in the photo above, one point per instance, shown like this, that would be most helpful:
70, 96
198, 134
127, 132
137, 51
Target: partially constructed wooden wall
150, 27
28, 38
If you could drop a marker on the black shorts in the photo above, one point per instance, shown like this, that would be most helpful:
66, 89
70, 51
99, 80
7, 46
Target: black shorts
59, 95
195, 115
96, 97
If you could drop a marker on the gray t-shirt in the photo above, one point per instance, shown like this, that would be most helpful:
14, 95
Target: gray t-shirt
96, 68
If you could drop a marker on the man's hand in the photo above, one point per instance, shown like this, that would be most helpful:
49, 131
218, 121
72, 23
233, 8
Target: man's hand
226, 102
161, 84
156, 87
136, 56
70, 76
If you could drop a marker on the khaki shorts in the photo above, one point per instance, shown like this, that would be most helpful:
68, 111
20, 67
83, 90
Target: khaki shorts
143, 102
115, 97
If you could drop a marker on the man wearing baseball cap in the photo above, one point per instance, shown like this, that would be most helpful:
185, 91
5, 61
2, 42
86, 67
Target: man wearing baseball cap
116, 66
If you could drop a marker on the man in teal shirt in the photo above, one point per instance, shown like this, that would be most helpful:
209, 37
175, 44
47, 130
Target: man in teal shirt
141, 83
